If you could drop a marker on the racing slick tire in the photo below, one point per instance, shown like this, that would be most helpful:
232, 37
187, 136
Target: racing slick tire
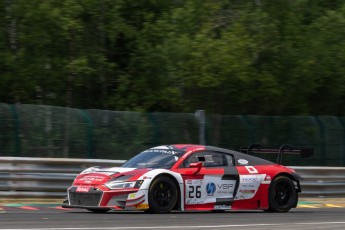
282, 195
163, 195
99, 210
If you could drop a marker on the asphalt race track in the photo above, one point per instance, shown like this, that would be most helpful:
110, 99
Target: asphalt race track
56, 218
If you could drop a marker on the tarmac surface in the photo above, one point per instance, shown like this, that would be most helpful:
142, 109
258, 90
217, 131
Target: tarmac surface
318, 213
304, 202
314, 215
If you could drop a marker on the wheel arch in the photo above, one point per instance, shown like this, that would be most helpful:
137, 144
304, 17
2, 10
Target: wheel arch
295, 178
286, 175
150, 176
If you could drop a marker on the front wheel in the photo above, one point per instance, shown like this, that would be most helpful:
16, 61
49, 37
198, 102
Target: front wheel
162, 195
282, 195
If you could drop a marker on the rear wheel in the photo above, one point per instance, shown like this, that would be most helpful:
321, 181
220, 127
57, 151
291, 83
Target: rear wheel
162, 195
282, 195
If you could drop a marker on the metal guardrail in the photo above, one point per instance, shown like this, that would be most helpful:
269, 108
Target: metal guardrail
322, 181
27, 177
24, 177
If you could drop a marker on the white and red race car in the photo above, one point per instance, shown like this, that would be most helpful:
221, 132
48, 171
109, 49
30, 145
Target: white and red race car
190, 177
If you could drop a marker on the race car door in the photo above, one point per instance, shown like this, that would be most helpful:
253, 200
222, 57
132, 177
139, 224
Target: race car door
210, 180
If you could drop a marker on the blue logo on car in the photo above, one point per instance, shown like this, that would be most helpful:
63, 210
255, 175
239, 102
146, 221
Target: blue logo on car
210, 188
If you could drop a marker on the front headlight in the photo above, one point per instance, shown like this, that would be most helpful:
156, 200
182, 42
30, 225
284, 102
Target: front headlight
120, 184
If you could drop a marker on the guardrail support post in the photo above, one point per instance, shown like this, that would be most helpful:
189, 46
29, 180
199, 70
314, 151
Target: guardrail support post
16, 129
200, 116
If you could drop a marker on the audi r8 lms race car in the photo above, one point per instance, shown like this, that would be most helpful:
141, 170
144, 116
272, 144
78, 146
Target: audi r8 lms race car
188, 178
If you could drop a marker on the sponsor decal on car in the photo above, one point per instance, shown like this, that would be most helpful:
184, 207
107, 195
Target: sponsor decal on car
247, 191
244, 194
166, 151
268, 177
251, 169
83, 189
132, 195
267, 180
194, 194
142, 206
91, 178
252, 179
242, 161
222, 207
249, 185
210, 189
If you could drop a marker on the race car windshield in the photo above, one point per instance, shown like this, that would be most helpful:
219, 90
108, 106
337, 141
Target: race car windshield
154, 158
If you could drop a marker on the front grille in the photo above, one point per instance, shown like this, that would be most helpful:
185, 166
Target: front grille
91, 198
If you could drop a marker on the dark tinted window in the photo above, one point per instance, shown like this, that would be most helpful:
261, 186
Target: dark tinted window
210, 159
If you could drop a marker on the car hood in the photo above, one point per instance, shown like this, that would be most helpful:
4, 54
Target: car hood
97, 176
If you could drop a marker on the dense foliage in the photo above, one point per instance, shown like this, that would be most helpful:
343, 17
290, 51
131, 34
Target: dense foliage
225, 56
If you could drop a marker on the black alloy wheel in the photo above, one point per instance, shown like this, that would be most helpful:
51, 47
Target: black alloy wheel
162, 195
282, 195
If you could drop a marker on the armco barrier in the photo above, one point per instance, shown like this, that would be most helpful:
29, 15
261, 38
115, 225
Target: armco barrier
43, 177
23, 177
322, 181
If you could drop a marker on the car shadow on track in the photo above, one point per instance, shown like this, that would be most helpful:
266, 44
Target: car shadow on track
188, 212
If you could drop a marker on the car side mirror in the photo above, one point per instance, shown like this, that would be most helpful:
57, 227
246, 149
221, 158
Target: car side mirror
197, 165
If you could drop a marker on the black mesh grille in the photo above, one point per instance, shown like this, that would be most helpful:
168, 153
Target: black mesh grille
91, 198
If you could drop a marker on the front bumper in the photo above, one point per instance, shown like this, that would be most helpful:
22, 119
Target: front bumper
96, 198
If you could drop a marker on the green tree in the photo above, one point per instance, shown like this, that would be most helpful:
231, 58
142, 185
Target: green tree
229, 57
325, 62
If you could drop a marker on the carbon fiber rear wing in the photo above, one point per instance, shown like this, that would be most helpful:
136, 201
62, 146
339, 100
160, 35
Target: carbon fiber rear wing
283, 149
